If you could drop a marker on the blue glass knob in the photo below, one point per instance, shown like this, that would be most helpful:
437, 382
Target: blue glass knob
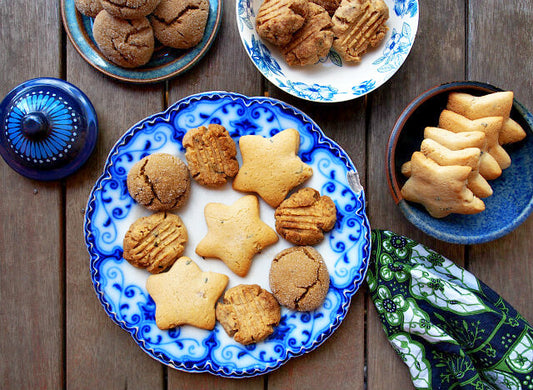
48, 128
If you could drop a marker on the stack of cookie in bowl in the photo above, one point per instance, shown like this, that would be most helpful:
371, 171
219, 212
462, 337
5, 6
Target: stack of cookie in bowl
183, 293
126, 31
458, 158
306, 30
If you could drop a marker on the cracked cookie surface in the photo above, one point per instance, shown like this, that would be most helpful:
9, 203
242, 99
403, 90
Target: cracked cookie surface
180, 23
89, 8
159, 182
155, 242
299, 278
127, 43
211, 155
248, 313
129, 9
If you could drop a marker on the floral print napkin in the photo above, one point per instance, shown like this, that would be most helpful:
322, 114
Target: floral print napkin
450, 329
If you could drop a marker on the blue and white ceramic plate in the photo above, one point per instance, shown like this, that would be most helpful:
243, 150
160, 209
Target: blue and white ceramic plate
165, 62
121, 287
332, 80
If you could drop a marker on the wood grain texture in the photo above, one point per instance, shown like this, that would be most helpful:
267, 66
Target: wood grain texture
31, 266
92, 339
438, 56
506, 264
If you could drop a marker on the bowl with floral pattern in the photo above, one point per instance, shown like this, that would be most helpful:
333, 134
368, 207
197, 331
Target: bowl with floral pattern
331, 79
121, 288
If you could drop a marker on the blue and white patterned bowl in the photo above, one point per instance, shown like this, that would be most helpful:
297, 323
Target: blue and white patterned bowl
512, 200
331, 80
165, 62
121, 288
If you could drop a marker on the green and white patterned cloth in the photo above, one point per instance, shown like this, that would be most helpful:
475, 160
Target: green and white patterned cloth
451, 329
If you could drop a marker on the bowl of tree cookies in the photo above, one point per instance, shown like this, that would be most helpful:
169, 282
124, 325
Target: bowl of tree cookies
460, 162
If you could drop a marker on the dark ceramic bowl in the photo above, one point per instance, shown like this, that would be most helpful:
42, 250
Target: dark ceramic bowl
512, 200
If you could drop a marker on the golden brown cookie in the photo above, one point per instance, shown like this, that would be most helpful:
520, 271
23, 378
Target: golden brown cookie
185, 295
469, 157
180, 23
492, 104
278, 20
488, 166
211, 155
235, 233
89, 8
299, 278
304, 217
441, 190
359, 25
155, 242
129, 9
271, 166
159, 182
311, 42
248, 313
329, 5
127, 43
491, 126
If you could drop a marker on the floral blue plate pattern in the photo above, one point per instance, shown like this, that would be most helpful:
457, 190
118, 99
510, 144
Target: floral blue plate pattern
331, 80
165, 62
121, 288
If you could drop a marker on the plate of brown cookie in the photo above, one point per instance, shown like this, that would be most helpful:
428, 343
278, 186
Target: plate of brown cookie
146, 54
209, 219
327, 50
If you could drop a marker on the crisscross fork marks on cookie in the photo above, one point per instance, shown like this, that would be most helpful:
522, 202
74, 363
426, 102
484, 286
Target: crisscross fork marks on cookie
358, 26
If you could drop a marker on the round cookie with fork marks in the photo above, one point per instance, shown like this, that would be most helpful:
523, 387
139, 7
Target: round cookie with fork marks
248, 313
155, 242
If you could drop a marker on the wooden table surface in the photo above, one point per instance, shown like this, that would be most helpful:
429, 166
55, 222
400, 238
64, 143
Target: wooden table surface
56, 334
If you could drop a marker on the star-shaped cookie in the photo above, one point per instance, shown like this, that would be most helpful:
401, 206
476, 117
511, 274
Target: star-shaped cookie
235, 233
186, 295
271, 166
441, 190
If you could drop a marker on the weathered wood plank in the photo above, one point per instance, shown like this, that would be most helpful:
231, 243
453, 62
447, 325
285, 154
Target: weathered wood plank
92, 339
437, 57
31, 266
500, 50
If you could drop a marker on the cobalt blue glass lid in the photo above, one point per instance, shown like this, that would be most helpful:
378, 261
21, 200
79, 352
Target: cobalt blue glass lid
48, 128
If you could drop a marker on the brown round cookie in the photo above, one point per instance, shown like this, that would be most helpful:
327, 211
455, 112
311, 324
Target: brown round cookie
89, 8
211, 155
155, 242
127, 43
180, 23
129, 9
248, 313
159, 182
299, 278
278, 20
304, 217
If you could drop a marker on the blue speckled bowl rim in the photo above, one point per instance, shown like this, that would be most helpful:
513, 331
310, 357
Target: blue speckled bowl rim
91, 134
348, 292
143, 75
394, 187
